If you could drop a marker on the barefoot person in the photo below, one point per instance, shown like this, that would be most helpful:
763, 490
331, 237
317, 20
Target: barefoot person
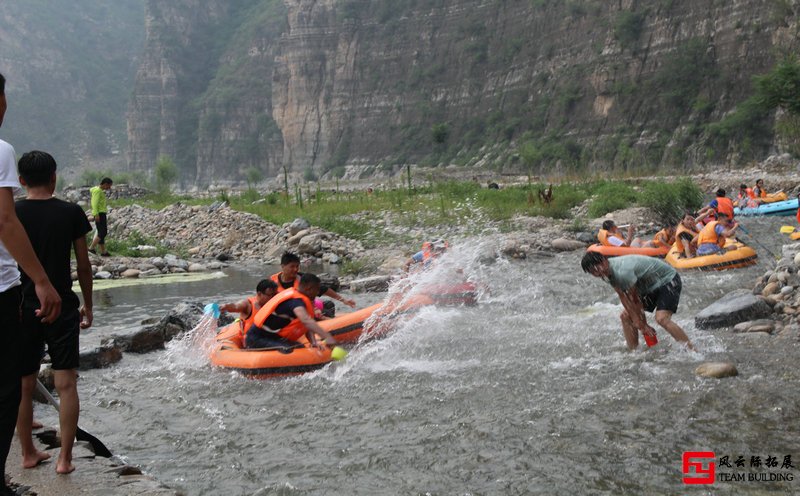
15, 248
56, 228
643, 284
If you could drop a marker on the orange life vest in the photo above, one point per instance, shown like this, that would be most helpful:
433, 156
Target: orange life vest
295, 329
657, 239
276, 278
725, 206
602, 237
248, 321
678, 244
798, 215
762, 193
709, 235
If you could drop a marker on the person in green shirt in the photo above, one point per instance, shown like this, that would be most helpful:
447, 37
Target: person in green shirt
643, 284
100, 212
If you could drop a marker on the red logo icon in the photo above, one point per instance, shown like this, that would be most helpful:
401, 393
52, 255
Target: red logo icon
698, 467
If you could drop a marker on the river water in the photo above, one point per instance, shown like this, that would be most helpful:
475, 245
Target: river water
530, 392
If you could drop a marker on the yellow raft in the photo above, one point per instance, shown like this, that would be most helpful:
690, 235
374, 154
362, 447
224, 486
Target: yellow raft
774, 197
736, 255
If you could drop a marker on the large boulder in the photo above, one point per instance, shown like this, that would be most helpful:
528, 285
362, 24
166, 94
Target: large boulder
298, 225
100, 357
735, 307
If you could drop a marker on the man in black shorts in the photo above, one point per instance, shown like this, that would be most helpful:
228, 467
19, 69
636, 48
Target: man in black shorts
643, 284
55, 228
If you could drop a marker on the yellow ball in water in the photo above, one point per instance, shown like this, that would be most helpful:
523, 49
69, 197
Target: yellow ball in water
338, 353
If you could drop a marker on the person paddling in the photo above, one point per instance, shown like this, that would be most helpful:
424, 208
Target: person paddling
643, 284
287, 317
720, 204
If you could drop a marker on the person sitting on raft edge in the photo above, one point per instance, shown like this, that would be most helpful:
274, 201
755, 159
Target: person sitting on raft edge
720, 204
290, 276
610, 235
643, 284
247, 309
684, 235
287, 317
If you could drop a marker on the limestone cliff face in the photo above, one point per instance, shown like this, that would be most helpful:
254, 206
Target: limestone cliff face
320, 85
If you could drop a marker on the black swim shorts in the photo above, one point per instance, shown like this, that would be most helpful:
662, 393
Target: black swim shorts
61, 338
666, 297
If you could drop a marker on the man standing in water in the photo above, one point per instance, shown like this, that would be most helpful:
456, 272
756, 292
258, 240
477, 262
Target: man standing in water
643, 284
15, 246
100, 214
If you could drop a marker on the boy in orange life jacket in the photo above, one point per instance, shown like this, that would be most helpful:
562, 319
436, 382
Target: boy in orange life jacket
247, 309
720, 204
290, 319
290, 275
711, 238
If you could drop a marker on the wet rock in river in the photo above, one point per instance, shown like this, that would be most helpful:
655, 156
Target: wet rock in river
100, 357
370, 284
735, 307
717, 370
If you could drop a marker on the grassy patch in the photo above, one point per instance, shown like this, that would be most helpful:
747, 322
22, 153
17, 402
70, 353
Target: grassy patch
125, 247
612, 196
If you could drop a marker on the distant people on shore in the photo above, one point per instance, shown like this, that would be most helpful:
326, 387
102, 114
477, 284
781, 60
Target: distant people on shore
100, 214
642, 284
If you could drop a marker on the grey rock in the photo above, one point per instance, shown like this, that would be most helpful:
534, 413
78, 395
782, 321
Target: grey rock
564, 244
735, 307
760, 325
586, 237
298, 225
100, 357
103, 274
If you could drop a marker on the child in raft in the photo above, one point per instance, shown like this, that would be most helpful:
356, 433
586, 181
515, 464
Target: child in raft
712, 237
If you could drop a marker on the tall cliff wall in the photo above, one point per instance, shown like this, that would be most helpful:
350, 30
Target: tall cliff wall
317, 85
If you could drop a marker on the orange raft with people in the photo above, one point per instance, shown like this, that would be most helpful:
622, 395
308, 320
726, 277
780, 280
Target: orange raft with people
229, 351
734, 256
618, 251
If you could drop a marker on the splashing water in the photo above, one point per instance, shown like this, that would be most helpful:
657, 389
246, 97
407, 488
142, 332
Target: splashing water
193, 348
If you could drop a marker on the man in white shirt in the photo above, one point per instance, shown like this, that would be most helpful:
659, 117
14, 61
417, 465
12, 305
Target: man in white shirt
15, 248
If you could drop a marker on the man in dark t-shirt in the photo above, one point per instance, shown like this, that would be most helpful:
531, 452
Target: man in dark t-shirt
55, 228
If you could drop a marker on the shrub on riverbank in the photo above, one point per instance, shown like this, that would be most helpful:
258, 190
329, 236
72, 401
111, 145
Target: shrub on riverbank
612, 196
671, 200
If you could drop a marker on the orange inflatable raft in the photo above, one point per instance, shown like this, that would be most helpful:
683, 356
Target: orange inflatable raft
229, 351
617, 251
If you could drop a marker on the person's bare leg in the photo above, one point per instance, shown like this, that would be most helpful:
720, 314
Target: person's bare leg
94, 242
67, 387
629, 331
664, 319
31, 457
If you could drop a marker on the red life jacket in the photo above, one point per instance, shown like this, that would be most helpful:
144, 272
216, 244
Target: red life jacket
294, 329
277, 279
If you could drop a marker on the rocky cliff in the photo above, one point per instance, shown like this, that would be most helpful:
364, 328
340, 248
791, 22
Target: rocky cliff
362, 86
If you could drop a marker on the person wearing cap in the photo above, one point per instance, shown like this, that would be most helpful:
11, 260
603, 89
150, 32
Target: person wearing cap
430, 250
643, 284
